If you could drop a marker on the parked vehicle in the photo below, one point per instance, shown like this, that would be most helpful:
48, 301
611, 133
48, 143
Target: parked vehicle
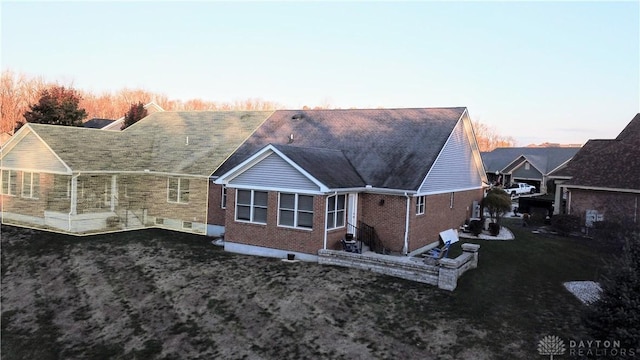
519, 189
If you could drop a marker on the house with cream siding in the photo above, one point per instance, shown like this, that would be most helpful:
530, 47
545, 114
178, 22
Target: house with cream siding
154, 173
304, 179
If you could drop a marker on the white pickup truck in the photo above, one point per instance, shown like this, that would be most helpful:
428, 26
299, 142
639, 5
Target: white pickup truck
519, 189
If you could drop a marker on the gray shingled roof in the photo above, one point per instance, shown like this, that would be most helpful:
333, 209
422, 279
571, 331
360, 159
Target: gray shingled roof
588, 148
387, 148
329, 166
157, 142
193, 142
86, 149
545, 159
609, 163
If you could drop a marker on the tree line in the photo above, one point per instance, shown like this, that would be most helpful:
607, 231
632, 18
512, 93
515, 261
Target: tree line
26, 98
19, 91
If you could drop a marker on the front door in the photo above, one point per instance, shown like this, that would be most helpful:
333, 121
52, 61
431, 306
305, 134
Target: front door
352, 213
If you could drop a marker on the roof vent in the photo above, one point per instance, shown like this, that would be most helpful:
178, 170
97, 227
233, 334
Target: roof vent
290, 138
297, 116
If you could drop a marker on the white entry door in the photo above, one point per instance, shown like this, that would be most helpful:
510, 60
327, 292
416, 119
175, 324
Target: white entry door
352, 213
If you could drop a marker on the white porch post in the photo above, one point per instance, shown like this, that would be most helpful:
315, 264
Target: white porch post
558, 198
114, 192
74, 195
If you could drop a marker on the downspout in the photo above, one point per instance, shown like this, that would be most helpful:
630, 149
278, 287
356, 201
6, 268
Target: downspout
405, 247
74, 196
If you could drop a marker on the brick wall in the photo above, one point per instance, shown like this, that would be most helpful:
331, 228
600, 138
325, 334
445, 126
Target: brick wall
439, 216
618, 207
27, 206
271, 235
215, 213
386, 213
158, 206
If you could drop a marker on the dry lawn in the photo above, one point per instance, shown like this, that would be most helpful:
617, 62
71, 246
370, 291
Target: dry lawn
156, 294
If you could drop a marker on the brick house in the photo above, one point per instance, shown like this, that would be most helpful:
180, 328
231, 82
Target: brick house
154, 173
304, 179
602, 182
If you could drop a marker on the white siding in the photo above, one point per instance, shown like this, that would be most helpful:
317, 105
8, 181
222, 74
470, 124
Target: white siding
30, 153
455, 167
274, 172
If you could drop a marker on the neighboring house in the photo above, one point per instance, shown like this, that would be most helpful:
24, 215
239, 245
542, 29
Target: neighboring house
154, 173
97, 123
531, 165
116, 125
304, 179
602, 182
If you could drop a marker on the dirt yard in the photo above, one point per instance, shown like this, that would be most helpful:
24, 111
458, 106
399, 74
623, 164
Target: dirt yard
158, 294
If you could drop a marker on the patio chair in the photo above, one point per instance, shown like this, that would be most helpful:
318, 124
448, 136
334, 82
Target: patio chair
350, 246
439, 253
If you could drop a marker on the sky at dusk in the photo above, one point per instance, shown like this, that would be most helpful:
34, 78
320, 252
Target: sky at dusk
538, 71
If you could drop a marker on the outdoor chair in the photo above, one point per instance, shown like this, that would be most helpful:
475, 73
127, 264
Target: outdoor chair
436, 254
350, 245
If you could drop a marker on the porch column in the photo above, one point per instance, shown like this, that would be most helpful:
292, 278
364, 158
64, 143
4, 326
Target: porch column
74, 195
557, 201
114, 192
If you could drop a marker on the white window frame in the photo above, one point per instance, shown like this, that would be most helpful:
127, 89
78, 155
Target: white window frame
252, 206
11, 189
223, 200
420, 204
28, 185
180, 191
296, 211
527, 166
336, 211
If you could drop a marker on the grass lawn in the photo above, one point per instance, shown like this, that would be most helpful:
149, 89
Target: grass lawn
160, 294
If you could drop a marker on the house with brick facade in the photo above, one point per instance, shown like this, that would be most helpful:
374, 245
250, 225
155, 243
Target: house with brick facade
602, 182
305, 179
155, 173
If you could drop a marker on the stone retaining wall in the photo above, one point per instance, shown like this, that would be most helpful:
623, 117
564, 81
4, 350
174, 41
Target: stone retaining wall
444, 274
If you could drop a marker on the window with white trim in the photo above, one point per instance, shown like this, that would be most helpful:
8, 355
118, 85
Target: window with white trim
251, 206
451, 198
336, 211
9, 182
178, 190
527, 166
295, 210
420, 200
30, 185
223, 202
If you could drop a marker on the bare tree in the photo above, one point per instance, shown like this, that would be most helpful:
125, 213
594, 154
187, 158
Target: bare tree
488, 137
17, 92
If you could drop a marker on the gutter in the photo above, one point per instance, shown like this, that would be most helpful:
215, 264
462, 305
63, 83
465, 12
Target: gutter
405, 247
373, 190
